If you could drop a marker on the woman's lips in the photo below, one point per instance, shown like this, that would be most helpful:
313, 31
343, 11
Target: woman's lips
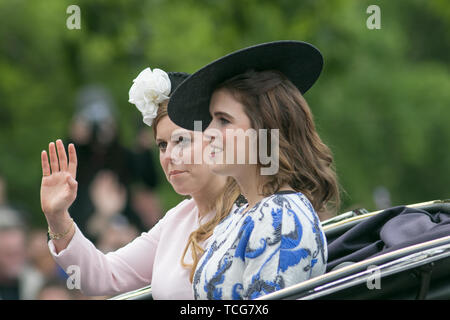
214, 151
174, 173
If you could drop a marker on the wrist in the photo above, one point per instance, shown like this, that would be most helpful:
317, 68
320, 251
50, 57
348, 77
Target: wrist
59, 223
60, 235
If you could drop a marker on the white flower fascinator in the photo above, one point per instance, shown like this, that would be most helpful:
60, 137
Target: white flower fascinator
149, 89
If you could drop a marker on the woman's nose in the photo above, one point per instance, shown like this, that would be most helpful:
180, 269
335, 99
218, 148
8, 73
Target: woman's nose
167, 157
174, 154
209, 138
210, 134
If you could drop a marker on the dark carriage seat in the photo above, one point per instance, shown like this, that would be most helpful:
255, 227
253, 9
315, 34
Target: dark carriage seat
388, 230
334, 230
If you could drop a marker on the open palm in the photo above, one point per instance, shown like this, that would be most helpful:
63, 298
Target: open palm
58, 186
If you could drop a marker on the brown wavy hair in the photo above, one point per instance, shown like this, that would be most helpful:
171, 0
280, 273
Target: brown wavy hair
222, 206
271, 101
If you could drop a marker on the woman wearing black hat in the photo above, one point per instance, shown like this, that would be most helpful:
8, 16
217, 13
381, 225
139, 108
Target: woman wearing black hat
276, 239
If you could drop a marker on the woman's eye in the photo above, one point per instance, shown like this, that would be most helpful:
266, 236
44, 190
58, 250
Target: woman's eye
183, 140
162, 146
223, 120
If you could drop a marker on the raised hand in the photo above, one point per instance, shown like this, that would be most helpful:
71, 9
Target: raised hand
58, 186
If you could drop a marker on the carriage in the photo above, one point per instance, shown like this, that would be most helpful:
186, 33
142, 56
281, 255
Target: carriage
418, 268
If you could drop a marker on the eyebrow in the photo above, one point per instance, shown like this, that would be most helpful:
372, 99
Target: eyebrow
221, 113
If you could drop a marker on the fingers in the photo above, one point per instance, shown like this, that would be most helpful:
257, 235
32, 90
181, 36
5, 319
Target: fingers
45, 164
72, 161
61, 155
58, 159
53, 158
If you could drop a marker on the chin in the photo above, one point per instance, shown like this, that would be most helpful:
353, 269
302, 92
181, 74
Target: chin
222, 169
182, 190
181, 187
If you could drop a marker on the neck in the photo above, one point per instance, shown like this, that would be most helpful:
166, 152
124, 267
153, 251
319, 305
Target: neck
206, 197
250, 182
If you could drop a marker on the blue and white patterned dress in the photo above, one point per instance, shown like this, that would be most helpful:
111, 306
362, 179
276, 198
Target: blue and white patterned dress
277, 243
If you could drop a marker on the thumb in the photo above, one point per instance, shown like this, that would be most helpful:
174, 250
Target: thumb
72, 182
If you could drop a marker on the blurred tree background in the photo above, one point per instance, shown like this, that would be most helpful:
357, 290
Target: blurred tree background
382, 103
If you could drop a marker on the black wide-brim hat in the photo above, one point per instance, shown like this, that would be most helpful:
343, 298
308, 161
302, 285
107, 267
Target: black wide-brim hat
299, 61
176, 78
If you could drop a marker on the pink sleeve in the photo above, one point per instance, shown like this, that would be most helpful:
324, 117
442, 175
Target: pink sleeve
100, 274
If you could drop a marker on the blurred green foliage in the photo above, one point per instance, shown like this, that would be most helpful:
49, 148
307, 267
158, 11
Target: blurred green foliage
382, 103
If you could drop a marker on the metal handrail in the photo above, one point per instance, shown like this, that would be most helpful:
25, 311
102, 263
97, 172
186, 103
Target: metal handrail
389, 268
135, 294
309, 286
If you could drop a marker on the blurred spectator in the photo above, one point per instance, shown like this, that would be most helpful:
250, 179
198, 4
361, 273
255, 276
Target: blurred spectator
39, 258
107, 225
25, 261
117, 233
102, 159
143, 198
382, 198
17, 280
109, 197
54, 290
147, 205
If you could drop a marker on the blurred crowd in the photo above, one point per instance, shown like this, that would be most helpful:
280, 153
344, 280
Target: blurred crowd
116, 201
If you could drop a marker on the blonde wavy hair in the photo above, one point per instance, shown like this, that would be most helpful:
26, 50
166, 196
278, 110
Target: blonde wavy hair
222, 206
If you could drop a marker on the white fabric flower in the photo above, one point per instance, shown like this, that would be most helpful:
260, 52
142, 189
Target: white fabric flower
149, 89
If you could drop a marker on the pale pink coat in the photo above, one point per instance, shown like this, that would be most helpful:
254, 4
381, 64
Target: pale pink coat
152, 258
